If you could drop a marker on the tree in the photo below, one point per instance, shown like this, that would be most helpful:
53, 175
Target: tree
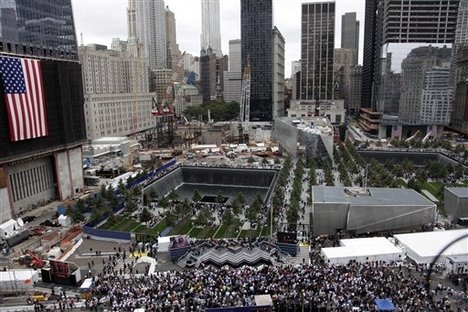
228, 218
235, 207
163, 202
277, 161
173, 196
251, 160
170, 218
264, 162
185, 207
80, 206
145, 215
240, 198
220, 197
204, 217
146, 199
130, 205
122, 188
196, 197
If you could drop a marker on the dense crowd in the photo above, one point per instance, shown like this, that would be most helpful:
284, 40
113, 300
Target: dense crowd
307, 287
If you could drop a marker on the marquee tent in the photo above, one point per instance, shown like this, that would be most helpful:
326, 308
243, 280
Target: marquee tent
425, 246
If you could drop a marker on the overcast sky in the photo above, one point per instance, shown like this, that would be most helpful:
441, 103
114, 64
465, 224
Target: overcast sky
102, 20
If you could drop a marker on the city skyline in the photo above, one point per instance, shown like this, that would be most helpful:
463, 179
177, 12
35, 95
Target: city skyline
89, 14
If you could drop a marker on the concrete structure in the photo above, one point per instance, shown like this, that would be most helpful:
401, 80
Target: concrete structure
211, 34
111, 152
49, 167
117, 100
147, 23
353, 101
233, 77
278, 74
398, 27
359, 210
119, 45
317, 48
350, 33
456, 202
212, 71
312, 137
344, 62
333, 110
172, 48
161, 79
257, 45
425, 92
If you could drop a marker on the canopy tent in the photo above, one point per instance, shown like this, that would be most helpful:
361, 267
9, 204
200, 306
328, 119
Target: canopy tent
365, 241
384, 304
425, 246
376, 250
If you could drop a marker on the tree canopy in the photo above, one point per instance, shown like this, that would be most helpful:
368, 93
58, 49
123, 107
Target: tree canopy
220, 111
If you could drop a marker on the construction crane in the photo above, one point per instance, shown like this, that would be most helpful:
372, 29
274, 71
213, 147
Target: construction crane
245, 103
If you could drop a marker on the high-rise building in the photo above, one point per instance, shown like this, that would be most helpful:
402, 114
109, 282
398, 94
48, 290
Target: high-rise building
295, 67
257, 48
278, 74
233, 77
425, 87
394, 28
344, 61
317, 47
147, 22
117, 98
40, 160
459, 119
353, 101
350, 33
192, 64
119, 45
211, 34
212, 70
160, 80
38, 28
173, 52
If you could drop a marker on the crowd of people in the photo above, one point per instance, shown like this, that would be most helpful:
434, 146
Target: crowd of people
302, 287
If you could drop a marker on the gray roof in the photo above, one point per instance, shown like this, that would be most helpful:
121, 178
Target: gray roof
378, 196
458, 191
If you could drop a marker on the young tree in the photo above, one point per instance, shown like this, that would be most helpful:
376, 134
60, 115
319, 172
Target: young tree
220, 197
251, 160
145, 215
264, 162
228, 218
196, 197
163, 202
173, 196
204, 217
240, 198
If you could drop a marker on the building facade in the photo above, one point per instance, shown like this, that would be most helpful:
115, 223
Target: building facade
424, 87
353, 101
317, 50
344, 61
173, 52
257, 48
161, 79
233, 77
212, 71
393, 29
49, 167
278, 74
350, 33
147, 22
117, 100
211, 34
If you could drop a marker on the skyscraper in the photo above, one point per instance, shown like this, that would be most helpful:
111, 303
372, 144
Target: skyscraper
172, 47
350, 33
395, 28
46, 166
278, 74
257, 46
147, 22
317, 47
233, 77
211, 34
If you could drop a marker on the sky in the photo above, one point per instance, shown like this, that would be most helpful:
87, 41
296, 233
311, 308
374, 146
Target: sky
101, 20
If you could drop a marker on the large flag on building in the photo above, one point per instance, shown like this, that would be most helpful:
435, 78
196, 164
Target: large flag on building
24, 96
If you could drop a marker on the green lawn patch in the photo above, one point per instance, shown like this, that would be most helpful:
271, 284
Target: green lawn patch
249, 233
109, 225
435, 188
401, 182
221, 231
195, 231
140, 229
183, 227
232, 231
207, 232
127, 226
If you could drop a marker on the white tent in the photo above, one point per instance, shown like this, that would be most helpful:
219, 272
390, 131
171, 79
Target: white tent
8, 227
163, 243
362, 251
18, 280
425, 246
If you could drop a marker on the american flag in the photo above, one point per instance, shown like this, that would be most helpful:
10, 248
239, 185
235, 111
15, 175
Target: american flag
24, 95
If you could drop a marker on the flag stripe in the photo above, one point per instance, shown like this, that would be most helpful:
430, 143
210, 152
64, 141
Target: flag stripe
45, 128
24, 95
33, 108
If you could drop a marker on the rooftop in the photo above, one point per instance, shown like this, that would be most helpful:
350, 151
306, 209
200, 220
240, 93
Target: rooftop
458, 191
369, 197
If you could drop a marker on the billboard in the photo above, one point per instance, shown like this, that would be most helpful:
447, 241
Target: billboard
60, 268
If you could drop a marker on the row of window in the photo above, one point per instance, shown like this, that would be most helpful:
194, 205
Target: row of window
31, 181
